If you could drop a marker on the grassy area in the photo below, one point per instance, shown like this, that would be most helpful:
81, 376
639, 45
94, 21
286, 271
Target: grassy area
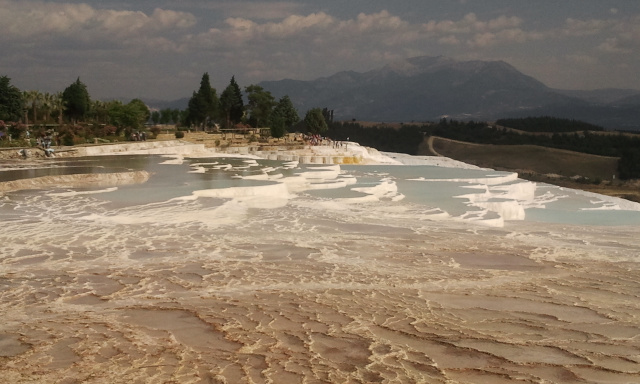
554, 166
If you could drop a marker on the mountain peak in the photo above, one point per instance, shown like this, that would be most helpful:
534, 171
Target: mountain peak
416, 65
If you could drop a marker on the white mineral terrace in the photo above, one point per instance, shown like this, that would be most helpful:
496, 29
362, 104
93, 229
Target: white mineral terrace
195, 266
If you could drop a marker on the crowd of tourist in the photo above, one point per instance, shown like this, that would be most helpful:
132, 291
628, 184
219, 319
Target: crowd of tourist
138, 136
320, 140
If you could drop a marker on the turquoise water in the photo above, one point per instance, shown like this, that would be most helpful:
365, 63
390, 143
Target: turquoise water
460, 193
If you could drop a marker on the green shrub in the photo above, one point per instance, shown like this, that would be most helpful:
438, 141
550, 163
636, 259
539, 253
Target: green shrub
179, 134
155, 131
68, 139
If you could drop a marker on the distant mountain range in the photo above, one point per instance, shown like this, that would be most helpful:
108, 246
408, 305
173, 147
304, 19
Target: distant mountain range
429, 88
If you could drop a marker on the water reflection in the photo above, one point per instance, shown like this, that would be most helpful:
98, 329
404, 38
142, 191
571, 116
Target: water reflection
75, 166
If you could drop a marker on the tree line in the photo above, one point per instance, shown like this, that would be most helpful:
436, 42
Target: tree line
548, 124
409, 137
207, 110
76, 118
25, 115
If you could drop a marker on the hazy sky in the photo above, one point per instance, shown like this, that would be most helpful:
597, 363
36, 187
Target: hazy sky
160, 48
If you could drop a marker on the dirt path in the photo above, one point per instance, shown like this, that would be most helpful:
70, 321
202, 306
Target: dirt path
430, 146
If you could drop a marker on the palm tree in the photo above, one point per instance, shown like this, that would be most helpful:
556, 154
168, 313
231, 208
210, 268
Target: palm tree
99, 110
36, 98
26, 103
47, 106
58, 105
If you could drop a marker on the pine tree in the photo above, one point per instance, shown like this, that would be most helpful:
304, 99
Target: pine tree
231, 104
315, 121
260, 104
76, 99
10, 100
288, 112
284, 115
203, 105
